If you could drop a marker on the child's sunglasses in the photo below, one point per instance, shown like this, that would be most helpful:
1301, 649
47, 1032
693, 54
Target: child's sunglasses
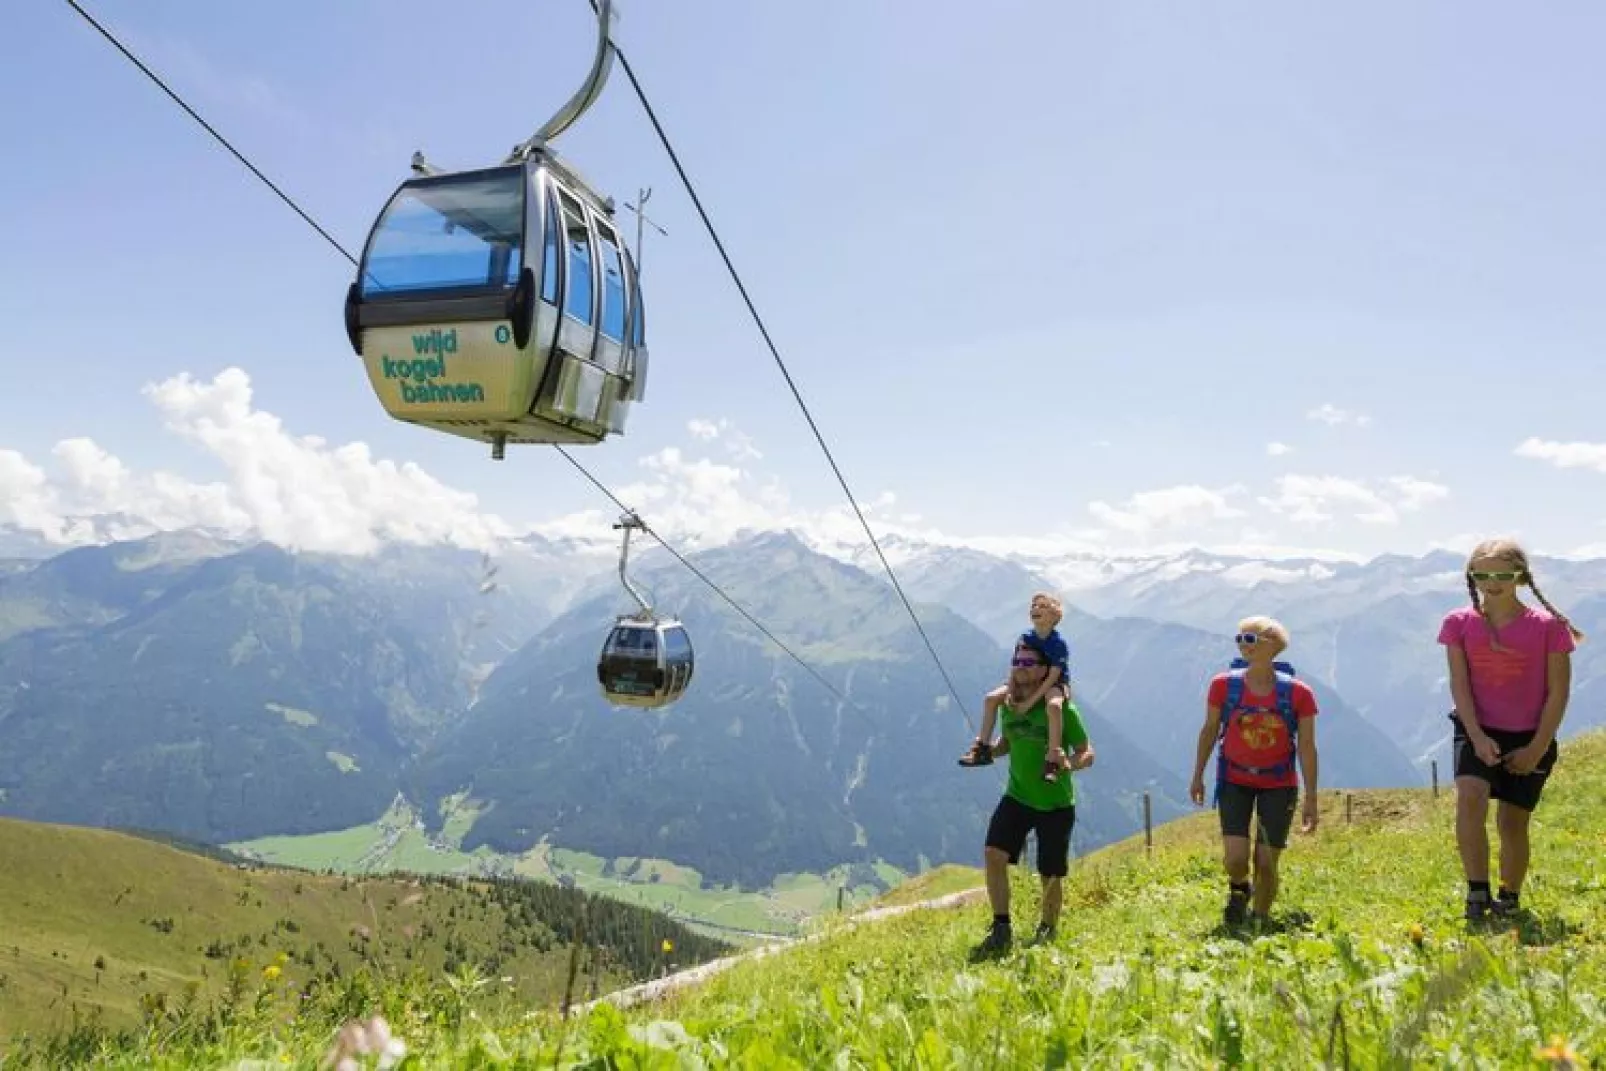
1504, 576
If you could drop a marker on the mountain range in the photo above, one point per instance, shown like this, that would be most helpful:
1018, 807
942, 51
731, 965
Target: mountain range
222, 690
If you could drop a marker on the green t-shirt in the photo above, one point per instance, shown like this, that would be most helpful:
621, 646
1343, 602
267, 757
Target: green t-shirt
1027, 735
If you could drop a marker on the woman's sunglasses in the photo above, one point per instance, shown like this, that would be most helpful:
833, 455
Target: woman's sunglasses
1248, 638
1503, 577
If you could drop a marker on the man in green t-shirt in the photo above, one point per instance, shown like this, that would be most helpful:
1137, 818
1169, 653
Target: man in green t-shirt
1030, 803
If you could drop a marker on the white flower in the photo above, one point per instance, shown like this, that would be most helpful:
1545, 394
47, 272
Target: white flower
357, 1039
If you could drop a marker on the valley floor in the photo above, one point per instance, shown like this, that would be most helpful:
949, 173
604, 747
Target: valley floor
397, 842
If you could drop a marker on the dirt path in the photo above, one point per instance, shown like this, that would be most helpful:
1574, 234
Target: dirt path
659, 988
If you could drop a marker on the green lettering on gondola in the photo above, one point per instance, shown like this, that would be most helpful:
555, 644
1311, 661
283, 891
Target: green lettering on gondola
419, 373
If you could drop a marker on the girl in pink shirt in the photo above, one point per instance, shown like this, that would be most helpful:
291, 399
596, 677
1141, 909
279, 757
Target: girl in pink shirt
1510, 673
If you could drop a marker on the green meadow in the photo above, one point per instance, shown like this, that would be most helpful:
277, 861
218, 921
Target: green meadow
1367, 963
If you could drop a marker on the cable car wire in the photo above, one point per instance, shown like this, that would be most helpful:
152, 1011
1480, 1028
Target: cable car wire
567, 456
775, 352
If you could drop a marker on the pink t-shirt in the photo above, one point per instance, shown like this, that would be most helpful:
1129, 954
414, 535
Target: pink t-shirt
1509, 686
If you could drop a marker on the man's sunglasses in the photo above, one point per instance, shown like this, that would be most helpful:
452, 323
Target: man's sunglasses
1025, 661
1504, 577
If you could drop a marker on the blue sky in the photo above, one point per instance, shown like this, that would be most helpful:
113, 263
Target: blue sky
1041, 270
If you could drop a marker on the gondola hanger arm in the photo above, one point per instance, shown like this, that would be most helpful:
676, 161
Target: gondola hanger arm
584, 97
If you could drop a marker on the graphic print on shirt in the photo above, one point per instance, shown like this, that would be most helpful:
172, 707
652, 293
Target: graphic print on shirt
1258, 738
1497, 668
1261, 732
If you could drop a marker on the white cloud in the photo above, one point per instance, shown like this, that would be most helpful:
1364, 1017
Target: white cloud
1412, 493
1278, 449
26, 498
736, 443
301, 491
298, 492
1565, 455
1330, 414
1319, 499
306, 493
1171, 507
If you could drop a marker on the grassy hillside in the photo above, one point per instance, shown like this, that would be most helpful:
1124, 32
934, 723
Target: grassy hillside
102, 926
1368, 964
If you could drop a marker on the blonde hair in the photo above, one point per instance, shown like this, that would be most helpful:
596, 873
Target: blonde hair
1052, 602
1508, 550
1267, 626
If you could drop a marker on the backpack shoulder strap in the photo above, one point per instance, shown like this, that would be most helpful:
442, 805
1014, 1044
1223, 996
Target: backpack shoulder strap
1235, 695
1285, 703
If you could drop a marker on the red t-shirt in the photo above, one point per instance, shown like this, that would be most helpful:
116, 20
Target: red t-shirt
1259, 737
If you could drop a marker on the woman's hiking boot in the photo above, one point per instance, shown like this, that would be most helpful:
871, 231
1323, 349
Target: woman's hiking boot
1237, 911
996, 943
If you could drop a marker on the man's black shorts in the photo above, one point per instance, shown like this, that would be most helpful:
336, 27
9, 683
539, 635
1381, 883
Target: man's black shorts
1012, 820
1523, 791
1274, 805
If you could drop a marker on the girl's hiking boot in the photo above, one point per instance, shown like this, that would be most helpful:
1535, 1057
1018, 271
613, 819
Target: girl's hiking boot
980, 754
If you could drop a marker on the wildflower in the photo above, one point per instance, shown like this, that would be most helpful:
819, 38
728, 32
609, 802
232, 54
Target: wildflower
271, 972
669, 946
359, 1039
1415, 933
1559, 1053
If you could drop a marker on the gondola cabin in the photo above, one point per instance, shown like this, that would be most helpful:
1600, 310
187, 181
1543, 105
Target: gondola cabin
501, 305
645, 662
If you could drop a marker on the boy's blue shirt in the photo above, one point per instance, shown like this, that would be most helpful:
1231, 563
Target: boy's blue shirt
1053, 648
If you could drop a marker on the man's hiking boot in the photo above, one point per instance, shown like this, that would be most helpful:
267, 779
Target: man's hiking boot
980, 754
1237, 907
1505, 905
996, 943
1478, 905
1043, 936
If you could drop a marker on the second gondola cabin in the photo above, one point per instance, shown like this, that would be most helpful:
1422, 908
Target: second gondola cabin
645, 662
500, 304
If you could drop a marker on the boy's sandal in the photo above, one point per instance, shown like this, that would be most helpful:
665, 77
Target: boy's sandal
980, 754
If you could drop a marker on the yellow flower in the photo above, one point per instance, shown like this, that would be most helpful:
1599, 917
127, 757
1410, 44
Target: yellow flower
270, 972
1415, 933
669, 946
1559, 1053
